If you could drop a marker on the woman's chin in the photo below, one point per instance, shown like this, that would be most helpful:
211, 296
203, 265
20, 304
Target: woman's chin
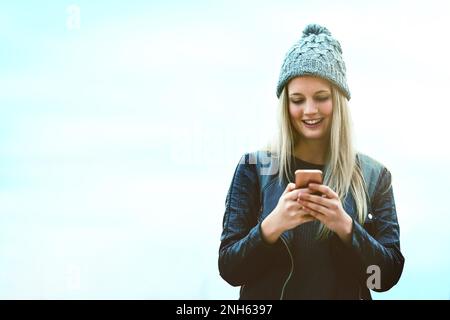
312, 135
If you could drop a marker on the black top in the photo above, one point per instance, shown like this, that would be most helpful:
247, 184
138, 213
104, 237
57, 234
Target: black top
307, 165
314, 275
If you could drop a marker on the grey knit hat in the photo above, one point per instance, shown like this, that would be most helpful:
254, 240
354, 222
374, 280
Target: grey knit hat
316, 53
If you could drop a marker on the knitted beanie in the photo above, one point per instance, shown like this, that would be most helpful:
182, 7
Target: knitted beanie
317, 53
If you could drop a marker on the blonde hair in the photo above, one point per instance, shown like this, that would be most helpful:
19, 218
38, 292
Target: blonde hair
341, 173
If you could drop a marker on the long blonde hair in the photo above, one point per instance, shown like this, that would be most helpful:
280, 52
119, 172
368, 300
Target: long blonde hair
341, 173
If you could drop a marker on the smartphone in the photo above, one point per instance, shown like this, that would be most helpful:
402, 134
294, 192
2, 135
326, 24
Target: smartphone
303, 177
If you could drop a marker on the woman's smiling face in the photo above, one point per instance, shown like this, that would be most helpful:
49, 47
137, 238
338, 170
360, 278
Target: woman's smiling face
310, 106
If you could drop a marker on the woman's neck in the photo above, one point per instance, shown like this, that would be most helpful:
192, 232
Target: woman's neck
311, 151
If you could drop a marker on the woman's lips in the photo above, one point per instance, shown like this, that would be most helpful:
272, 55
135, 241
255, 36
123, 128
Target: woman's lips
312, 126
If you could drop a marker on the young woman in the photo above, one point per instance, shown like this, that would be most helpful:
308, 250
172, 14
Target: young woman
283, 242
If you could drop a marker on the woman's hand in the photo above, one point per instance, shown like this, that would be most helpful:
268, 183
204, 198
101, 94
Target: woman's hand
328, 210
287, 215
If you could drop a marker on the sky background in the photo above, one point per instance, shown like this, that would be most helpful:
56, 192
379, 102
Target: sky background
121, 124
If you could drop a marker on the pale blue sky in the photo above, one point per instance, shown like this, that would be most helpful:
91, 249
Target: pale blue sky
118, 140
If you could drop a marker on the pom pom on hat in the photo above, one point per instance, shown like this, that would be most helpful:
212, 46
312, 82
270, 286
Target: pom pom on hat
315, 29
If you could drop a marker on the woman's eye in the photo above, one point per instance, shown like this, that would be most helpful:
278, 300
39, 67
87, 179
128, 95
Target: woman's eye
322, 98
298, 101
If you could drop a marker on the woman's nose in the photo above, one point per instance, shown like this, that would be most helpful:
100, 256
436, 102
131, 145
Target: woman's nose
310, 107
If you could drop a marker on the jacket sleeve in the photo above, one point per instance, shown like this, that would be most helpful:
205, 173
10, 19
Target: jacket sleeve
381, 247
243, 253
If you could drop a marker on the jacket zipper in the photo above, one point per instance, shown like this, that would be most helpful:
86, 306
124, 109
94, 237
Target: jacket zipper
292, 263
292, 269
240, 291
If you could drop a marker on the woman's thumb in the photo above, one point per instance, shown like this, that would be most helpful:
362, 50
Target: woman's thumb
289, 188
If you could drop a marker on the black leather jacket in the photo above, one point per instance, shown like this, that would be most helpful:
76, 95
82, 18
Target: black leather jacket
263, 270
